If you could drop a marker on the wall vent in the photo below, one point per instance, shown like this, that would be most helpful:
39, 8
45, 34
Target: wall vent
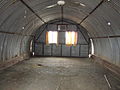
62, 27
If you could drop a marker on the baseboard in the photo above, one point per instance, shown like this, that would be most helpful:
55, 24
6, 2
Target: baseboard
113, 68
61, 56
13, 61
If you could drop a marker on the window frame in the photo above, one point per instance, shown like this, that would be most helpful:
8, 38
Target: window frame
47, 37
75, 40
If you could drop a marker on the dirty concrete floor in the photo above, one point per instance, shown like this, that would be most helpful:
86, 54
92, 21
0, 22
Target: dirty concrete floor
52, 73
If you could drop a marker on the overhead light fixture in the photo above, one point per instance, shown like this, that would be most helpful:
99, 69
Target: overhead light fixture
82, 4
51, 6
24, 16
61, 2
25, 12
23, 27
109, 23
108, 0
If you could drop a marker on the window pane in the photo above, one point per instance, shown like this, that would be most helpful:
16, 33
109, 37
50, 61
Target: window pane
52, 37
71, 38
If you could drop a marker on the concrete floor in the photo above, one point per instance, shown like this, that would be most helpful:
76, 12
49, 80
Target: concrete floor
57, 74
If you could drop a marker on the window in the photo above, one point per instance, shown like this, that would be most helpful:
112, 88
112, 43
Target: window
71, 38
61, 27
52, 37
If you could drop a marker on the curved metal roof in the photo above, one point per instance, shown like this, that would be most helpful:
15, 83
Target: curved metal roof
23, 17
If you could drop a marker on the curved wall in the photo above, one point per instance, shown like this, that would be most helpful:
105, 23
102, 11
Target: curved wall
18, 24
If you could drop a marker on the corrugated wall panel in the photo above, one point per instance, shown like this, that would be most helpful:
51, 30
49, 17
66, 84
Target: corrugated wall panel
47, 50
56, 50
65, 50
75, 51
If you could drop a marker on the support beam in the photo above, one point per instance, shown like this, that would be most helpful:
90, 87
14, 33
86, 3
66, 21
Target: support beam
116, 36
32, 11
62, 13
15, 33
92, 11
41, 32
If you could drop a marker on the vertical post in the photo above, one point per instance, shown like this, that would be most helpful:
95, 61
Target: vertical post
43, 49
61, 49
89, 47
34, 44
79, 49
70, 51
51, 49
